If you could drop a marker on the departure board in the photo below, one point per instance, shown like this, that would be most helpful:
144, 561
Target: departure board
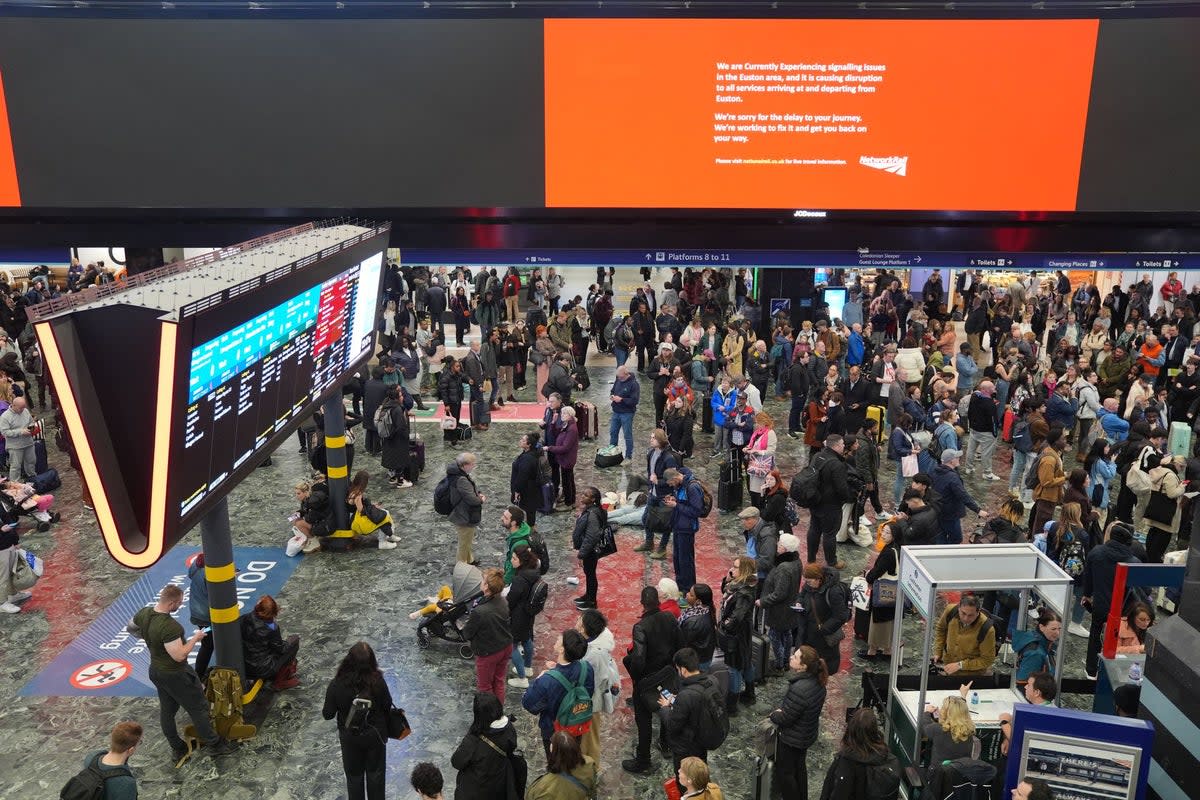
248, 383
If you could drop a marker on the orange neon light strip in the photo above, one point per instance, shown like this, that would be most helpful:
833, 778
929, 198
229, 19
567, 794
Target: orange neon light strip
84, 449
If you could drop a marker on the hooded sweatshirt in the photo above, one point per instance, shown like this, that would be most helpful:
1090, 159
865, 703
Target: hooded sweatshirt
600, 658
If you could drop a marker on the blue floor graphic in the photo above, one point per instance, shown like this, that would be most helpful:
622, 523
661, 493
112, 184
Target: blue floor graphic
107, 660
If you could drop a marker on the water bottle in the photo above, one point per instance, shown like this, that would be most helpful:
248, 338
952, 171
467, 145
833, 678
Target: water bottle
974, 701
1135, 672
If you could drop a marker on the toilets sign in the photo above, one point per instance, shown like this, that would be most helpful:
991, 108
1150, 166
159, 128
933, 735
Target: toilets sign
106, 659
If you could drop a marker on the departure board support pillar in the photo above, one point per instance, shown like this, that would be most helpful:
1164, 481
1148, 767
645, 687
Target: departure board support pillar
220, 572
335, 460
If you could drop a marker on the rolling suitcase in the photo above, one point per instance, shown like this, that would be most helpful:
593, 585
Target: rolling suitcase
876, 413
760, 655
481, 412
764, 777
1179, 442
862, 623
416, 459
729, 488
706, 419
587, 420
40, 463
720, 674
1006, 431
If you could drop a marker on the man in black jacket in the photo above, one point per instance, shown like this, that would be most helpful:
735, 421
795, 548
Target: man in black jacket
435, 301
559, 379
1099, 572
920, 521
835, 493
800, 385
981, 436
649, 664
764, 536
686, 713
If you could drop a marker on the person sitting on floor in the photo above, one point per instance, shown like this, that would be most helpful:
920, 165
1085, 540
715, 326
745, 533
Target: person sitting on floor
267, 654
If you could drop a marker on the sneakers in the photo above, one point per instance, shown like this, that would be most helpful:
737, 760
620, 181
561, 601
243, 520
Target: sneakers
1088, 675
662, 553
635, 766
584, 603
386, 544
991, 476
403, 484
180, 754
643, 547
313, 545
19, 597
794, 434
883, 516
9, 608
519, 683
1075, 629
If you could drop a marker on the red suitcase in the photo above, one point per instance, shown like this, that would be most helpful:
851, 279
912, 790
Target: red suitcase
587, 420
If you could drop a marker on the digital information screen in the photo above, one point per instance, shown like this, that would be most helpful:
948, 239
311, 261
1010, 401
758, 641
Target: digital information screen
251, 381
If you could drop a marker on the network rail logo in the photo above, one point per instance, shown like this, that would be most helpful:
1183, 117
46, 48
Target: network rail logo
897, 165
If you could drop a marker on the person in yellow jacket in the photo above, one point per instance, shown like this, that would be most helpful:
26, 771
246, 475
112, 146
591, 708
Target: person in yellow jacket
964, 640
1052, 479
570, 775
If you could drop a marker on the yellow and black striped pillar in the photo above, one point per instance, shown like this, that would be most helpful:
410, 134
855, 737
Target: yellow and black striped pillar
217, 541
335, 462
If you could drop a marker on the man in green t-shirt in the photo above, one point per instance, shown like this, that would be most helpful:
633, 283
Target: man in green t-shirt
177, 683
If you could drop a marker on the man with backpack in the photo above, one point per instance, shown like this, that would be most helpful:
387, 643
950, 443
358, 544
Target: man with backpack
106, 774
689, 502
828, 476
463, 503
694, 720
1023, 448
654, 641
562, 695
964, 639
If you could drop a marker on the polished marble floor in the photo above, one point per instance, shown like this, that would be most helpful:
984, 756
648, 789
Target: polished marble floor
332, 601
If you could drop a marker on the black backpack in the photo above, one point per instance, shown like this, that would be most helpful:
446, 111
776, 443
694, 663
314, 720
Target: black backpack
1032, 479
711, 733
883, 780
536, 600
442, 502
538, 545
89, 783
806, 487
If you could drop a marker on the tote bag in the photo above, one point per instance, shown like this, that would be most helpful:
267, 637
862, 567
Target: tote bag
909, 466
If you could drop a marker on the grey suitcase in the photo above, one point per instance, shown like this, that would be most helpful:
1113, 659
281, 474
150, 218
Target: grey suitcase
764, 778
481, 412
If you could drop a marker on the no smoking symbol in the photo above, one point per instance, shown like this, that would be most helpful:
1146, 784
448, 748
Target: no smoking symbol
100, 674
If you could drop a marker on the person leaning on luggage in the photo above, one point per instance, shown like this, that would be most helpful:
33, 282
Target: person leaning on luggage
177, 683
964, 640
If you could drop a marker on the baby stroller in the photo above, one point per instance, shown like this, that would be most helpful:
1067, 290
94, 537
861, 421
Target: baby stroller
444, 617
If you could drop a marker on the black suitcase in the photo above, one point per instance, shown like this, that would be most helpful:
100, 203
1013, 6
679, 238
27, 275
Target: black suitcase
706, 419
862, 623
481, 412
729, 496
40, 463
455, 435
760, 655
416, 459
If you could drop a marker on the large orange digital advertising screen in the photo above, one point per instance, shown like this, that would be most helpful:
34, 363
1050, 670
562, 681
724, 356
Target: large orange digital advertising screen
914, 114
10, 195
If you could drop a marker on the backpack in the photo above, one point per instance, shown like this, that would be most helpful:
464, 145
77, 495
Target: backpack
714, 725
359, 715
935, 447
1071, 554
442, 502
791, 511
582, 379
383, 422
983, 629
706, 498
1022, 437
89, 783
575, 709
1031, 479
883, 780
806, 487
536, 601
538, 545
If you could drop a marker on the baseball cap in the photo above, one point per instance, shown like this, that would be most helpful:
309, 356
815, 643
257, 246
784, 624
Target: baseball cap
950, 455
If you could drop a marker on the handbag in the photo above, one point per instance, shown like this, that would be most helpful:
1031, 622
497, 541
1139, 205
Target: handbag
909, 466
607, 544
26, 570
515, 782
831, 639
1161, 508
397, 724
883, 593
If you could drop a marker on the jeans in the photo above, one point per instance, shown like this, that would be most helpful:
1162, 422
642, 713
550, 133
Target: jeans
622, 422
1002, 389
898, 488
983, 444
951, 531
740, 680
364, 760
782, 644
1021, 462
721, 441
621, 354
591, 585
791, 771
794, 413
522, 662
182, 689
489, 672
684, 554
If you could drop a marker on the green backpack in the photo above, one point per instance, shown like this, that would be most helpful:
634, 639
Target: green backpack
575, 709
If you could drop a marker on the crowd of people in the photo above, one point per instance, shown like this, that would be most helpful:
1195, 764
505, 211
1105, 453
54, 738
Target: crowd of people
1047, 374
